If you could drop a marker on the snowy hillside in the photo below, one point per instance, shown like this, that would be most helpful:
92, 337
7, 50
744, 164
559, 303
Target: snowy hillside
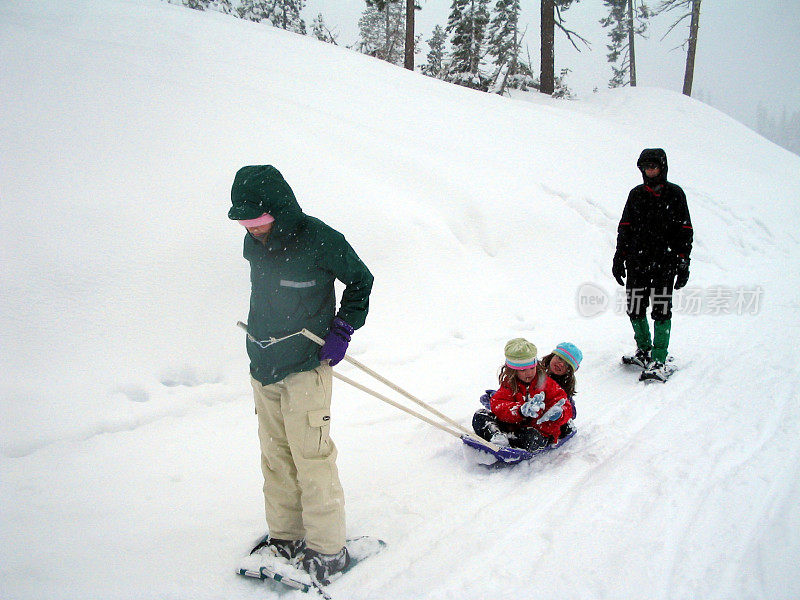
128, 452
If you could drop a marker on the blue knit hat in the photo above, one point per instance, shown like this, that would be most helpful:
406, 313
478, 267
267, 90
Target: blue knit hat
570, 353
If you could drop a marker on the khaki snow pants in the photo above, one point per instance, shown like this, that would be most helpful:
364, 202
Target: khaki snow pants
303, 497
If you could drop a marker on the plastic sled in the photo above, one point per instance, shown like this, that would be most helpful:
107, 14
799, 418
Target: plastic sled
507, 456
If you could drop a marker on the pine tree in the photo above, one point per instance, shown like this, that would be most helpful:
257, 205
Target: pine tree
382, 28
322, 32
223, 6
284, 14
467, 26
435, 65
379, 5
627, 18
410, 41
255, 10
561, 88
552, 18
287, 15
505, 45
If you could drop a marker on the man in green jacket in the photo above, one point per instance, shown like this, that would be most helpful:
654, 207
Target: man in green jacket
294, 261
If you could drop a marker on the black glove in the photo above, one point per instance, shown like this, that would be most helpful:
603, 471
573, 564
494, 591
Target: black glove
682, 273
618, 269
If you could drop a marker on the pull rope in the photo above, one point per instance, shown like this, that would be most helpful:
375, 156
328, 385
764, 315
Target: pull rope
268, 342
452, 427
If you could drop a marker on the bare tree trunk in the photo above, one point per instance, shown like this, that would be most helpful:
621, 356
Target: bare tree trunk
631, 50
688, 77
547, 83
409, 64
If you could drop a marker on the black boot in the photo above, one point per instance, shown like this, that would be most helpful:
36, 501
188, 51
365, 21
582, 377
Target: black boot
531, 440
486, 425
322, 566
657, 371
641, 358
288, 549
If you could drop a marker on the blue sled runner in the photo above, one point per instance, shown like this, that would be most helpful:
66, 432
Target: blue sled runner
508, 455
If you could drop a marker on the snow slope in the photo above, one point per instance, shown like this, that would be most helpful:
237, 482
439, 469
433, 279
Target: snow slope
128, 453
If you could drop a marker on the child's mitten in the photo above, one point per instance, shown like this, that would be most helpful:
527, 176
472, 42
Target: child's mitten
534, 406
553, 413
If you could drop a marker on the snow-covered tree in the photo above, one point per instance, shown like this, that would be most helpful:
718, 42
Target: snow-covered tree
223, 6
255, 10
322, 32
287, 15
382, 31
561, 88
627, 19
521, 77
505, 46
410, 40
437, 42
467, 26
284, 14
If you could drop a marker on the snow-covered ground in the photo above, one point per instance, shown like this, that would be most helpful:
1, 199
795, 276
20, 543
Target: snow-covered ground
128, 452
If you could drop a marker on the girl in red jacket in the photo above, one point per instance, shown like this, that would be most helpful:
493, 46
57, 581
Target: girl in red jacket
529, 409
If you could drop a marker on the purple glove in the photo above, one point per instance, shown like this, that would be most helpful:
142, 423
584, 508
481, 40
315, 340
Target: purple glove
336, 341
486, 399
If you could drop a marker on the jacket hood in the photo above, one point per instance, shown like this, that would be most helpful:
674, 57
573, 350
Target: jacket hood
657, 156
260, 189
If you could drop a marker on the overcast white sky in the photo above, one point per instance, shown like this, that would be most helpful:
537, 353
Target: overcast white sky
748, 50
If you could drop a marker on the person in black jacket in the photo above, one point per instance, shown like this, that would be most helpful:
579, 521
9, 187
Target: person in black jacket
654, 240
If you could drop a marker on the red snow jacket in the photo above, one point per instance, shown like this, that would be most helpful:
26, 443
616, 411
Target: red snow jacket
506, 405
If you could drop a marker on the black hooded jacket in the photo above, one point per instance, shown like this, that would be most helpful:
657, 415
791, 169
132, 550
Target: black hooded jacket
655, 230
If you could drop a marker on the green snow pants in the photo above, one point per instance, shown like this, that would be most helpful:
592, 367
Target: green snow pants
659, 343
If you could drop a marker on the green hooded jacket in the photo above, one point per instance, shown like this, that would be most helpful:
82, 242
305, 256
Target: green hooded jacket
292, 274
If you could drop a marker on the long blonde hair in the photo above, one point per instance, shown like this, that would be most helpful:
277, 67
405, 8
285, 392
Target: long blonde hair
508, 377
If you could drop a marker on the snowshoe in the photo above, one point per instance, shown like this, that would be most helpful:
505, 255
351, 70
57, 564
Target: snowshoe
640, 358
292, 573
657, 371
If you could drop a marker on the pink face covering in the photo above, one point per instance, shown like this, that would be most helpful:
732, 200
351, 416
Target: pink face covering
264, 219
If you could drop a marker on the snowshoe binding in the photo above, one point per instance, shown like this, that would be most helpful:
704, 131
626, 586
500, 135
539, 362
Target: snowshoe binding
288, 549
321, 567
640, 358
657, 371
